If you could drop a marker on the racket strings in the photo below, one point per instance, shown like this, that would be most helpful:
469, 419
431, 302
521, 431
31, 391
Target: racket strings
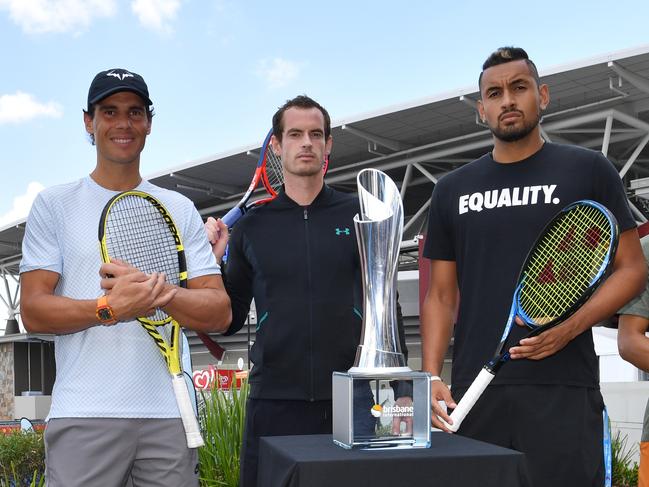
273, 175
137, 233
565, 263
560, 271
571, 269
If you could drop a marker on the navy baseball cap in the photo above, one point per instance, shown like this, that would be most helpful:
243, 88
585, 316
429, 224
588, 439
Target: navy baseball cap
115, 80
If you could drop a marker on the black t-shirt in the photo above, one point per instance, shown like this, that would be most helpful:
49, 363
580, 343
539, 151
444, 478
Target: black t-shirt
485, 216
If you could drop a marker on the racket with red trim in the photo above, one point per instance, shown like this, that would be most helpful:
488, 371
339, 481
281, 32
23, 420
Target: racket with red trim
269, 173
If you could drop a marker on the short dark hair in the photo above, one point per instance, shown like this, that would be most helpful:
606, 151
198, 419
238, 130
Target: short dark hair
91, 113
508, 54
304, 102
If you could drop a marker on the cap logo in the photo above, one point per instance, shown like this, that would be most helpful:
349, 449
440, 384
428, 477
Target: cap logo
120, 76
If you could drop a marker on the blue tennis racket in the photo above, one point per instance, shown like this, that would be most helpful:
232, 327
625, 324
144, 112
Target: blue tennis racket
569, 260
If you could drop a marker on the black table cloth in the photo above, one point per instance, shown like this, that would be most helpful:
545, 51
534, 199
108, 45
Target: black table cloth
451, 461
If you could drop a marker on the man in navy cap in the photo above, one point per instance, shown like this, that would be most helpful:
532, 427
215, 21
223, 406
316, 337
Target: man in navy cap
114, 420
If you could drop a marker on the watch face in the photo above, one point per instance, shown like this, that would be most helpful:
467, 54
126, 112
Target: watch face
105, 314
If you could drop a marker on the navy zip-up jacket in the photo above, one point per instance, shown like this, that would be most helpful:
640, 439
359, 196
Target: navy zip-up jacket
302, 266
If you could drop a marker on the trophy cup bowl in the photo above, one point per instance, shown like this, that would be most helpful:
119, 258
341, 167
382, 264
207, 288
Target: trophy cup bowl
362, 407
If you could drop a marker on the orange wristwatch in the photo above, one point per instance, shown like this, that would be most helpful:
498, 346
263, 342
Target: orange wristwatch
104, 311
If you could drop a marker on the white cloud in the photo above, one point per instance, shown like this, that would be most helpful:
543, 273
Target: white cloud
278, 72
41, 16
156, 14
21, 107
22, 204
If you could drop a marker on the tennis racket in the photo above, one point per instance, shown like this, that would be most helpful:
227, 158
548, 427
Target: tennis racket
569, 260
269, 172
136, 228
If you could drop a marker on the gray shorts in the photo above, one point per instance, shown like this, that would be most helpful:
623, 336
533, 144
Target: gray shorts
109, 452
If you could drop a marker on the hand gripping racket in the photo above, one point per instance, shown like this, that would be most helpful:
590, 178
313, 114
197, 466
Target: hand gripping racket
569, 260
269, 172
136, 228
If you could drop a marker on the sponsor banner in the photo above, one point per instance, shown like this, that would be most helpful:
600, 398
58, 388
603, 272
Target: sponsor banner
216, 377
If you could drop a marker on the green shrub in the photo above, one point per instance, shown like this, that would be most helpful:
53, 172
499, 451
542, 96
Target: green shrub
222, 415
624, 474
22, 459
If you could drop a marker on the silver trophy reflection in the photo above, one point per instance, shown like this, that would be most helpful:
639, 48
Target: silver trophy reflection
364, 398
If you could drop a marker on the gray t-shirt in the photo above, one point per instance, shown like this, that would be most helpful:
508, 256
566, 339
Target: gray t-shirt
639, 306
104, 371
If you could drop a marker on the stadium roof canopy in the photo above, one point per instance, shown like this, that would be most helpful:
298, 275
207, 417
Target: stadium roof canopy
600, 103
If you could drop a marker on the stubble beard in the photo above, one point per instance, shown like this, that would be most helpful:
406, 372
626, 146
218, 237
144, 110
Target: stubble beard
514, 134
306, 171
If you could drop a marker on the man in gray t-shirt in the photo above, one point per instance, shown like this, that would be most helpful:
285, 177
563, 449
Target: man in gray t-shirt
634, 347
113, 420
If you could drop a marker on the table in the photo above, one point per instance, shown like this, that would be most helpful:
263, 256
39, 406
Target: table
452, 460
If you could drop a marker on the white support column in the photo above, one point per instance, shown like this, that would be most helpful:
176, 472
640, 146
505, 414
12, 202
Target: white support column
544, 134
9, 299
406, 180
635, 155
425, 172
607, 135
638, 81
423, 208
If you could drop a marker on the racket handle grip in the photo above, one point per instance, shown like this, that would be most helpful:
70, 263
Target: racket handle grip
470, 398
192, 430
232, 216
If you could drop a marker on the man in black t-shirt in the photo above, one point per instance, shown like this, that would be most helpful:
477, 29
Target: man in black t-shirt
484, 217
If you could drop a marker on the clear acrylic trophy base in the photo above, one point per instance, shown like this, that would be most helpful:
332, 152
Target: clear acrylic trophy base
367, 415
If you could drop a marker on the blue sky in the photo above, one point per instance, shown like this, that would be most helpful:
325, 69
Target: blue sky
218, 69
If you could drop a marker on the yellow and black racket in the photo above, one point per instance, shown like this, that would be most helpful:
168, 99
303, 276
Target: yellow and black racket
136, 228
569, 260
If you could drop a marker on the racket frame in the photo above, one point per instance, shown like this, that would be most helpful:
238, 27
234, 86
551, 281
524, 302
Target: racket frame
232, 216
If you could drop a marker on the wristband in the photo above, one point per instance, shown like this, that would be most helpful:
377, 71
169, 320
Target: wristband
433, 378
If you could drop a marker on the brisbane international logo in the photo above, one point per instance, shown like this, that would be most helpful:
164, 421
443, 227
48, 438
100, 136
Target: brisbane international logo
391, 411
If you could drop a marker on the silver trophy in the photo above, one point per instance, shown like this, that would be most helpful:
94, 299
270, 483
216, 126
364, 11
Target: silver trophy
380, 401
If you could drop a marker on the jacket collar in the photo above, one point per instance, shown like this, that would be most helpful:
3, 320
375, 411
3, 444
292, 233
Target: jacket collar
283, 200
